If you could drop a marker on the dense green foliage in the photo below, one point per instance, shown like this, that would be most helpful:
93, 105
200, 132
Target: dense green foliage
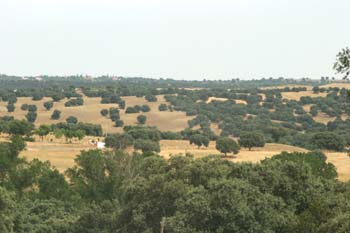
117, 192
250, 140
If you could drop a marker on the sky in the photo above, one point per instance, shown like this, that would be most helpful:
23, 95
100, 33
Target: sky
179, 39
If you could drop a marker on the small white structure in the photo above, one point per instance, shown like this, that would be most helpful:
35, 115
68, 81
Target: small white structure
100, 145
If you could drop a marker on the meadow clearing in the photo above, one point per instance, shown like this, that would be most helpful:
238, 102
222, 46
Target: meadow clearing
90, 113
61, 154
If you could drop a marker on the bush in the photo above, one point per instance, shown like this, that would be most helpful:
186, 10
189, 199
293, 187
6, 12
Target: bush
24, 107
163, 107
141, 119
151, 98
251, 139
56, 115
119, 123
145, 108
199, 140
227, 145
31, 116
37, 96
131, 110
146, 146
121, 104
328, 141
48, 105
10, 107
74, 102
72, 120
104, 112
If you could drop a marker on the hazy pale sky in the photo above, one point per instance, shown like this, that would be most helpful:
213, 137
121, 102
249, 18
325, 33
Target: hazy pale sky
182, 39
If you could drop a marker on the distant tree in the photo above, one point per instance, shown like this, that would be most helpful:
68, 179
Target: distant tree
199, 140
42, 131
131, 110
227, 145
191, 112
151, 98
24, 107
74, 102
11, 107
328, 141
137, 108
276, 133
20, 127
104, 112
141, 119
48, 105
68, 134
114, 114
316, 89
18, 143
314, 110
72, 120
119, 123
80, 134
114, 117
56, 97
113, 111
251, 139
118, 141
56, 115
146, 146
145, 108
317, 161
121, 104
32, 108
163, 107
31, 116
37, 96
58, 133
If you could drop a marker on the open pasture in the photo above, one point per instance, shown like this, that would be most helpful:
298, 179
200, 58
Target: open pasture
90, 113
62, 155
298, 95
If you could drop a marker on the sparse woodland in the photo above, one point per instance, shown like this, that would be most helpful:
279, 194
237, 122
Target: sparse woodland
116, 190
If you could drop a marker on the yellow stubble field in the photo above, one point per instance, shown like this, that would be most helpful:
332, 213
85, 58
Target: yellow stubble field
62, 155
90, 113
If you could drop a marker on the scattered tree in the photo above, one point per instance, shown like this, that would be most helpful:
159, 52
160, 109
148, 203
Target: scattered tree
227, 145
141, 119
56, 115
104, 112
251, 139
72, 120
48, 105
199, 140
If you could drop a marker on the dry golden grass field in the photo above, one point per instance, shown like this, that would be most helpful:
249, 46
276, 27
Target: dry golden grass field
308, 87
298, 95
345, 85
61, 155
211, 99
90, 113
